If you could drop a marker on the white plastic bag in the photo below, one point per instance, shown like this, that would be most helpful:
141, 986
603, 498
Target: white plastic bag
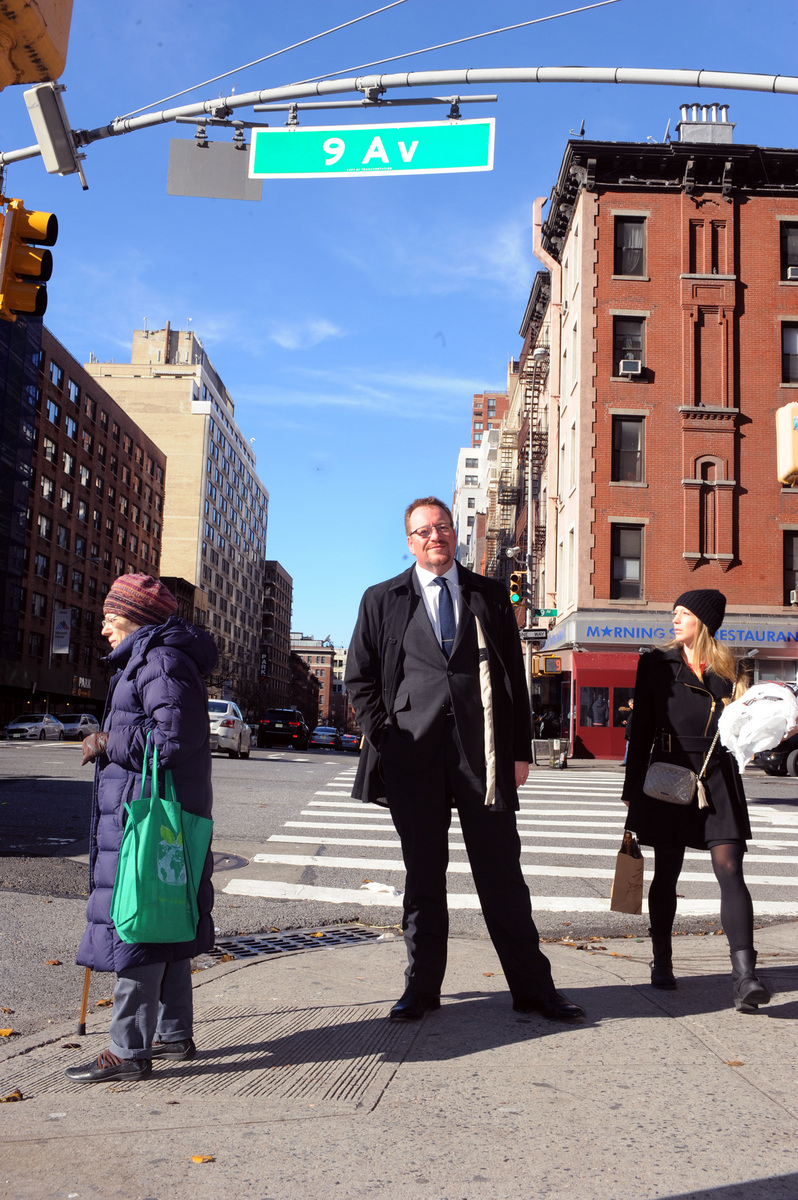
758, 721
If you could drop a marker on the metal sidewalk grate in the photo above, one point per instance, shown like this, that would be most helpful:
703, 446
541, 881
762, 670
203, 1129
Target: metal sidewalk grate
256, 945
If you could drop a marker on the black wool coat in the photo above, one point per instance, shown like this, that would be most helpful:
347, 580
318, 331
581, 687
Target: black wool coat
374, 668
675, 719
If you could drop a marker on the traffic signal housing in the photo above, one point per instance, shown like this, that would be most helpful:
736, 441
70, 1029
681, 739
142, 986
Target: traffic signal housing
516, 587
24, 267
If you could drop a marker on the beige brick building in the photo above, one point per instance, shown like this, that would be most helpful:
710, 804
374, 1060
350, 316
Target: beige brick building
215, 510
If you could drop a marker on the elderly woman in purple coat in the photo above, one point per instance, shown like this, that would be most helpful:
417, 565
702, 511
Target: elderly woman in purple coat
158, 689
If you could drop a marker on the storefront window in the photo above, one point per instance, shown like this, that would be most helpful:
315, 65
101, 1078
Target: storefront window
620, 705
594, 706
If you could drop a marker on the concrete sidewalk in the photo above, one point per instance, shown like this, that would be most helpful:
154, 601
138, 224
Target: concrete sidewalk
302, 1090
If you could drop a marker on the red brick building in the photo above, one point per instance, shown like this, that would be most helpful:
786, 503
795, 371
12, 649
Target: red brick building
673, 333
488, 410
93, 487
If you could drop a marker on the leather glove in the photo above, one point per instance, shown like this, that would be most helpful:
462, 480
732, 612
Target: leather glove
93, 746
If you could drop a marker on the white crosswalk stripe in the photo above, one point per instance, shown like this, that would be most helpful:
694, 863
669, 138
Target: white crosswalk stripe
355, 854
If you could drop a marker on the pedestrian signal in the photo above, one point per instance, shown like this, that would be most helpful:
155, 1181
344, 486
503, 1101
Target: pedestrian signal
24, 267
516, 587
552, 666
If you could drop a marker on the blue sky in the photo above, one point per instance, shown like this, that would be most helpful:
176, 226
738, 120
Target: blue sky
352, 319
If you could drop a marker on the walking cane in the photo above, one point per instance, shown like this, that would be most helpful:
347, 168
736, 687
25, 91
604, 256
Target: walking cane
84, 1003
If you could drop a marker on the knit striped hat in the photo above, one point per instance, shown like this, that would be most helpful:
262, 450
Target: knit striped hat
141, 598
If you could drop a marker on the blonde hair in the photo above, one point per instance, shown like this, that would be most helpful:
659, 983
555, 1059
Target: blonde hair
717, 657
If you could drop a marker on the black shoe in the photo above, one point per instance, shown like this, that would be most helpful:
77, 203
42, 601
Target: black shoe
749, 991
108, 1066
555, 1007
179, 1051
662, 975
413, 1005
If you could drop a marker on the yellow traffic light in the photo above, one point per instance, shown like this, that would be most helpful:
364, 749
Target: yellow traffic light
516, 587
24, 268
34, 35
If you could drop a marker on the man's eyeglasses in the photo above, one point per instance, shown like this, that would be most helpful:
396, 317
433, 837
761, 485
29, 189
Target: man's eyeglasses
426, 531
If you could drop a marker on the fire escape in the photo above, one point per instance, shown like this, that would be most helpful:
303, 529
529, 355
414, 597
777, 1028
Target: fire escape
534, 376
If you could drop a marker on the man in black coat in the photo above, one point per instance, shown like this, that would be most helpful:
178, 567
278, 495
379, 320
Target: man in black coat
435, 674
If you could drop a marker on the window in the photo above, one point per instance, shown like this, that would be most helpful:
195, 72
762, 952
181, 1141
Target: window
80, 547
627, 449
472, 502
56, 375
54, 413
41, 566
630, 246
88, 442
68, 463
60, 574
35, 645
471, 481
38, 605
62, 537
90, 407
85, 477
471, 464
789, 353
49, 450
115, 431
47, 487
627, 555
71, 428
45, 525
477, 424
103, 420
789, 247
628, 341
66, 500
594, 706
790, 564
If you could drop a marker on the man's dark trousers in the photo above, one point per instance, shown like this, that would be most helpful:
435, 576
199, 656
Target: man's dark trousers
427, 772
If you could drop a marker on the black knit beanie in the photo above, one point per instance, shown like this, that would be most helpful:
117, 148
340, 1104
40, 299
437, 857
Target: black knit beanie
708, 604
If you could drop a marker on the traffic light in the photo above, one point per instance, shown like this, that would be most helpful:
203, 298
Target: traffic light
24, 268
516, 587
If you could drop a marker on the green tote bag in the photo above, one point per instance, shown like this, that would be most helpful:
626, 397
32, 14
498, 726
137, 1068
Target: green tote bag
161, 858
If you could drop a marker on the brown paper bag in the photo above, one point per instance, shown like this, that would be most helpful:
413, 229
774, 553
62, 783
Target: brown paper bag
627, 886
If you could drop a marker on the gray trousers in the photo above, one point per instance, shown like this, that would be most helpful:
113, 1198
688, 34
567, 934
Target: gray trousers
151, 1004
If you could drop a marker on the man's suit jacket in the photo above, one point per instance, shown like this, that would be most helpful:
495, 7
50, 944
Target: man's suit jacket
374, 672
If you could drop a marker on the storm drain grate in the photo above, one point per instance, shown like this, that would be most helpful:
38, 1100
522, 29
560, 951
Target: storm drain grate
257, 945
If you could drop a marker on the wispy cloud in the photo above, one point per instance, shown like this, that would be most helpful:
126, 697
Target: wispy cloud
300, 335
441, 258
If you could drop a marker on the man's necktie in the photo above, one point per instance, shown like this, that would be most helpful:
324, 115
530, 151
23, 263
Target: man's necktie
446, 617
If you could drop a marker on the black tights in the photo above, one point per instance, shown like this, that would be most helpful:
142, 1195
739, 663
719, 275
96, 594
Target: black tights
736, 908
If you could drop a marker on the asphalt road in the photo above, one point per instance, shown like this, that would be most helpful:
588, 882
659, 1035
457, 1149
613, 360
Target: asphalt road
293, 851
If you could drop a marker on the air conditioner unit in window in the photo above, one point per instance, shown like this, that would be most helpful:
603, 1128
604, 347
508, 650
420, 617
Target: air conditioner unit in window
631, 366
793, 597
792, 273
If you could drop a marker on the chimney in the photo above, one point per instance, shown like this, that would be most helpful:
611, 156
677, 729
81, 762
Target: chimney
708, 123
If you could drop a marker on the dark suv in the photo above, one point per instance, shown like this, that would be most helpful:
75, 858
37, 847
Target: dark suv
283, 727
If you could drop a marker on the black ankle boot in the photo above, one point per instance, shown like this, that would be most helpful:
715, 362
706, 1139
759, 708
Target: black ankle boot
749, 991
662, 964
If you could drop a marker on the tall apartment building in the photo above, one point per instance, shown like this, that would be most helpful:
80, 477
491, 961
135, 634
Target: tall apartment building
85, 494
319, 654
215, 515
487, 412
476, 472
275, 664
673, 314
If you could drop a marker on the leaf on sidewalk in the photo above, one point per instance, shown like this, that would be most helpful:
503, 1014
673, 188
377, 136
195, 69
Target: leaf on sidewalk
6, 1032
12, 1096
488, 974
54, 962
735, 1062
106, 1002
70, 1045
202, 1158
225, 958
4, 1008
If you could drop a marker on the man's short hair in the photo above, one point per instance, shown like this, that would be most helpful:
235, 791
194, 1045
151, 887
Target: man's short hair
426, 502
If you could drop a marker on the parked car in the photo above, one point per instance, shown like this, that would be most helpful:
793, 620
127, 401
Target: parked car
283, 727
326, 737
33, 726
350, 741
781, 760
229, 730
79, 725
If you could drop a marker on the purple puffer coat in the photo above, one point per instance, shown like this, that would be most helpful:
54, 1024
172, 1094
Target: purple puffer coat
158, 688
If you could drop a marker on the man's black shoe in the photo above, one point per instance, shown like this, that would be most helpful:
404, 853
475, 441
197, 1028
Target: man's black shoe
179, 1051
555, 1007
108, 1066
413, 1005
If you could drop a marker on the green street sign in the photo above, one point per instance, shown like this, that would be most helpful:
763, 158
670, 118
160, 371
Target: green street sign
545, 612
337, 152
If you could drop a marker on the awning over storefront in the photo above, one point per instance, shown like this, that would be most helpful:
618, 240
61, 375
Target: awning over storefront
772, 636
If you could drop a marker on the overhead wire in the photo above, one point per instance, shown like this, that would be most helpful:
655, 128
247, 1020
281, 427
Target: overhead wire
256, 62
457, 41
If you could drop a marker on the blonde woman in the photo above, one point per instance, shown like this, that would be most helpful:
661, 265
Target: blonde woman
679, 695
